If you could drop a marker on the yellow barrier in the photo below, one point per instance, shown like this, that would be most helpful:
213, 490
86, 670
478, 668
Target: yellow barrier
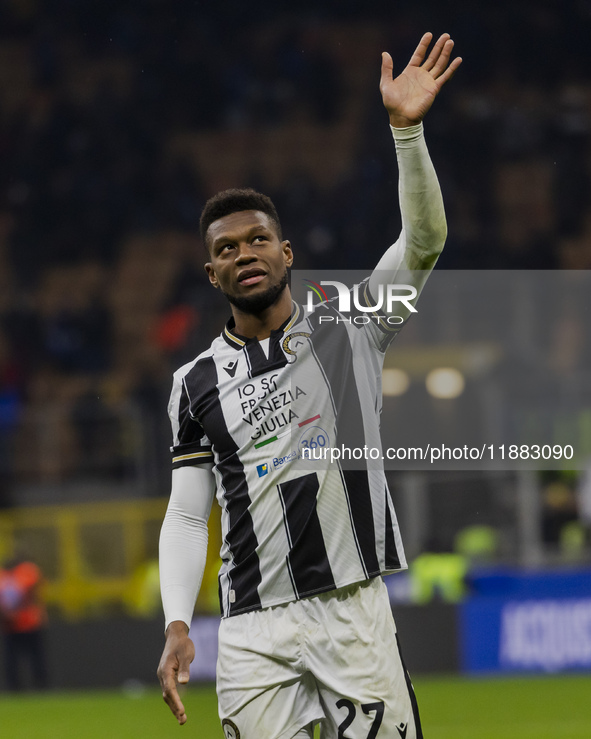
94, 555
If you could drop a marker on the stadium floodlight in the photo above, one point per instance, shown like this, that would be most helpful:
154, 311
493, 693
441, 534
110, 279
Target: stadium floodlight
445, 382
395, 382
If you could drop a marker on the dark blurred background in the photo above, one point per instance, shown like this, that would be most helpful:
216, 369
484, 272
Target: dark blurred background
118, 119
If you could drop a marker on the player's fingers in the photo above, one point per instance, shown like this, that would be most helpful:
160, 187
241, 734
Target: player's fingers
419, 53
436, 52
183, 674
387, 68
172, 698
443, 60
176, 706
185, 657
449, 72
167, 682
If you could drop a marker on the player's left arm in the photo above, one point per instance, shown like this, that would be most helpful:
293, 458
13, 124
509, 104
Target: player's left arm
407, 99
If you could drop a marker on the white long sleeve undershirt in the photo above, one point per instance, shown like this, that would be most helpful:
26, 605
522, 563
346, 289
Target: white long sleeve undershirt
424, 228
183, 538
183, 541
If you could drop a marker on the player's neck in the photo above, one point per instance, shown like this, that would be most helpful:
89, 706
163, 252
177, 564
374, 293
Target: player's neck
260, 325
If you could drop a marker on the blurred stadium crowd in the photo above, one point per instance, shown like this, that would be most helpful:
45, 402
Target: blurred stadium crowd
119, 119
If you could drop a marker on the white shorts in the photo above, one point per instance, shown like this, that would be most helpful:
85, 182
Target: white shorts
333, 658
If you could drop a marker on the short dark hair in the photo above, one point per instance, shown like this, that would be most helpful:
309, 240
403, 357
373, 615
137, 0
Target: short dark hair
233, 201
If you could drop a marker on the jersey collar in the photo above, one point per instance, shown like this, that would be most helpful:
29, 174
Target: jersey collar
235, 340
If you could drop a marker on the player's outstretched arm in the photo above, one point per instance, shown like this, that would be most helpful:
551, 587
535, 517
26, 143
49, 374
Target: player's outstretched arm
407, 99
183, 550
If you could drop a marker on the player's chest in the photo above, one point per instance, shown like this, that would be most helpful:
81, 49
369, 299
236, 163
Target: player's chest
252, 402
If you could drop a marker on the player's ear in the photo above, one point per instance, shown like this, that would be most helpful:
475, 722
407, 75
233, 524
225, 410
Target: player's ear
287, 253
211, 274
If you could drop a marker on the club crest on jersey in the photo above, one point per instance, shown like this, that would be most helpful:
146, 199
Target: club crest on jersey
296, 340
230, 729
263, 469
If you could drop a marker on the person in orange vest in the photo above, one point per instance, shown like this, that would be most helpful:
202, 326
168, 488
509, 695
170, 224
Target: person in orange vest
22, 619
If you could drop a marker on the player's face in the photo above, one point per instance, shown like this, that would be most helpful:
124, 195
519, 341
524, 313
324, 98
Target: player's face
248, 263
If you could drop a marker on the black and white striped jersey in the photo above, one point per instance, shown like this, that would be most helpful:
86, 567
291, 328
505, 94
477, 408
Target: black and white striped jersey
292, 527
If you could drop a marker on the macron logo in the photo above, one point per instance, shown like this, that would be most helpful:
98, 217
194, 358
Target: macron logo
263, 469
231, 368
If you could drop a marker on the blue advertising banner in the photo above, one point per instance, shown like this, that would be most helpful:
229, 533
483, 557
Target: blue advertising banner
521, 627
